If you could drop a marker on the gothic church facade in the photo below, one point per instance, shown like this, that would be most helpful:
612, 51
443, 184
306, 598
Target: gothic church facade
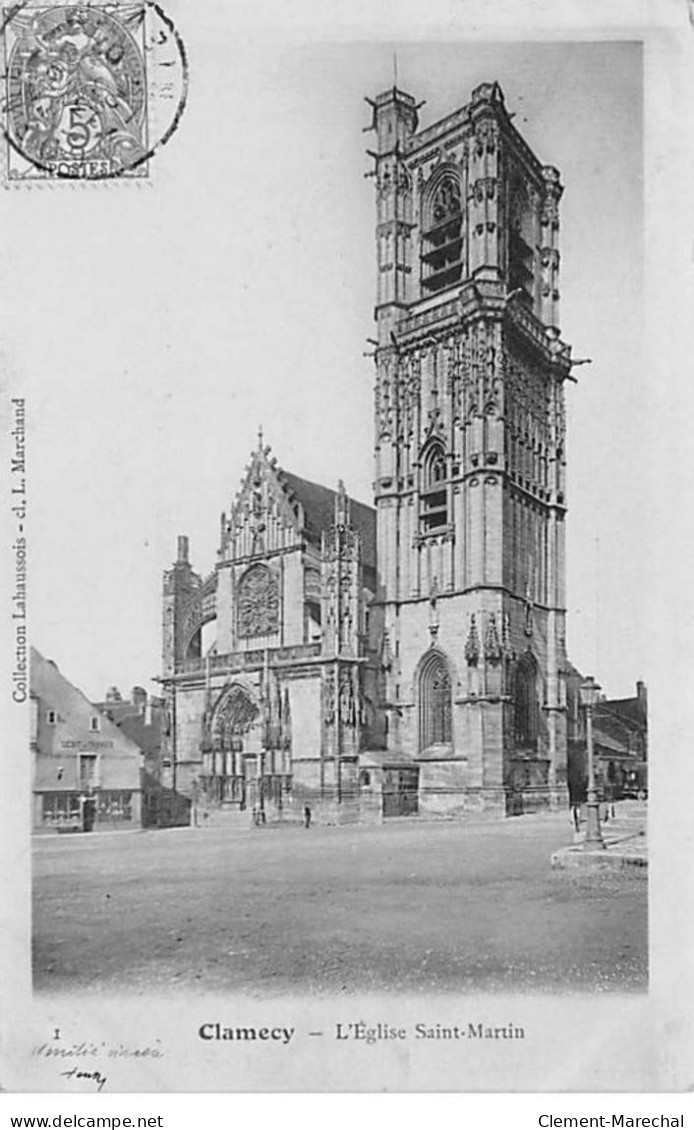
406, 659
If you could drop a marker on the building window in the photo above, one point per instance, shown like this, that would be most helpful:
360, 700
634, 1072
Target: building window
94, 723
434, 702
61, 808
115, 806
526, 707
51, 717
442, 236
434, 491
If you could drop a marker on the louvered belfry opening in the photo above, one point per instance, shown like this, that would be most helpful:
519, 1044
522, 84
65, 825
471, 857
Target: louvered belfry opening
434, 491
521, 257
442, 239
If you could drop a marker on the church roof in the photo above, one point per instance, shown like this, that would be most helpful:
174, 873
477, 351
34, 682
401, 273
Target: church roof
319, 510
629, 710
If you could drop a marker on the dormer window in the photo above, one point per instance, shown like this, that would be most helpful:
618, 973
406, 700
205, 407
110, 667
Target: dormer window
442, 236
434, 490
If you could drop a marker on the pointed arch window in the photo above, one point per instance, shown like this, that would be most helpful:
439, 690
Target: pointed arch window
235, 713
435, 697
442, 235
526, 706
434, 491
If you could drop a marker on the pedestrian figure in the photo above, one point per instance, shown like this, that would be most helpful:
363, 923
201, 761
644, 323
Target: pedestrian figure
576, 816
307, 817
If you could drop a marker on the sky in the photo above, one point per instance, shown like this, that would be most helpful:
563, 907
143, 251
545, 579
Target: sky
153, 328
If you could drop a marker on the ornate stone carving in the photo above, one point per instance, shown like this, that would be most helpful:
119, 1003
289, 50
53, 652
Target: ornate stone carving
258, 603
529, 611
472, 644
385, 183
348, 714
492, 644
506, 636
485, 137
484, 187
384, 399
329, 699
434, 611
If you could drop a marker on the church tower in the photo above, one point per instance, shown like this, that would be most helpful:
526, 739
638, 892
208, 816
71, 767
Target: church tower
469, 457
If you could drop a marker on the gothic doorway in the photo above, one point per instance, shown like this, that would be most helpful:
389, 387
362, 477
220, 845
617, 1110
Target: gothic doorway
401, 791
235, 714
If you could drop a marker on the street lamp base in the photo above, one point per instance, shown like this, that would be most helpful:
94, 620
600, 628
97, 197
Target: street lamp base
593, 840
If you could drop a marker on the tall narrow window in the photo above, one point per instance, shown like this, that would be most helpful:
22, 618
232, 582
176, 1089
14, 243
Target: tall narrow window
442, 236
434, 702
433, 491
520, 244
526, 708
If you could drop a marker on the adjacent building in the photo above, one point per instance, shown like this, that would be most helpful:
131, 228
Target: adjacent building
620, 742
144, 719
86, 771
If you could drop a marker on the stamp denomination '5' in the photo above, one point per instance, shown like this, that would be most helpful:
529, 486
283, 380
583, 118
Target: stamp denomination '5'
91, 91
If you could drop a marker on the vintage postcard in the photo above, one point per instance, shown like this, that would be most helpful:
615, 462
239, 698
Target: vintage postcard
339, 746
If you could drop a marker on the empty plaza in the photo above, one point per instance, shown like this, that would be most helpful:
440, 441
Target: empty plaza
405, 907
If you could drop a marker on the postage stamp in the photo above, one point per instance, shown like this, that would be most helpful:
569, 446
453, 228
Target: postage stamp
91, 91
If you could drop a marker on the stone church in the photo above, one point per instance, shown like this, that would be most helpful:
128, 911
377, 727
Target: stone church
410, 658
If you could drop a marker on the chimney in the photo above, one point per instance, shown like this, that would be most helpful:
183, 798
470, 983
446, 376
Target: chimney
642, 698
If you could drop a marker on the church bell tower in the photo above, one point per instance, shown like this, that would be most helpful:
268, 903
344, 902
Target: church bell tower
470, 457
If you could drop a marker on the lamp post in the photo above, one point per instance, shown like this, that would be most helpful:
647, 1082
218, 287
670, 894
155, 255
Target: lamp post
593, 839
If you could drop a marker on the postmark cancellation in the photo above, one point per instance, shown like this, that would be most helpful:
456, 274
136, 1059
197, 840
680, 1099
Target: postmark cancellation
91, 91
